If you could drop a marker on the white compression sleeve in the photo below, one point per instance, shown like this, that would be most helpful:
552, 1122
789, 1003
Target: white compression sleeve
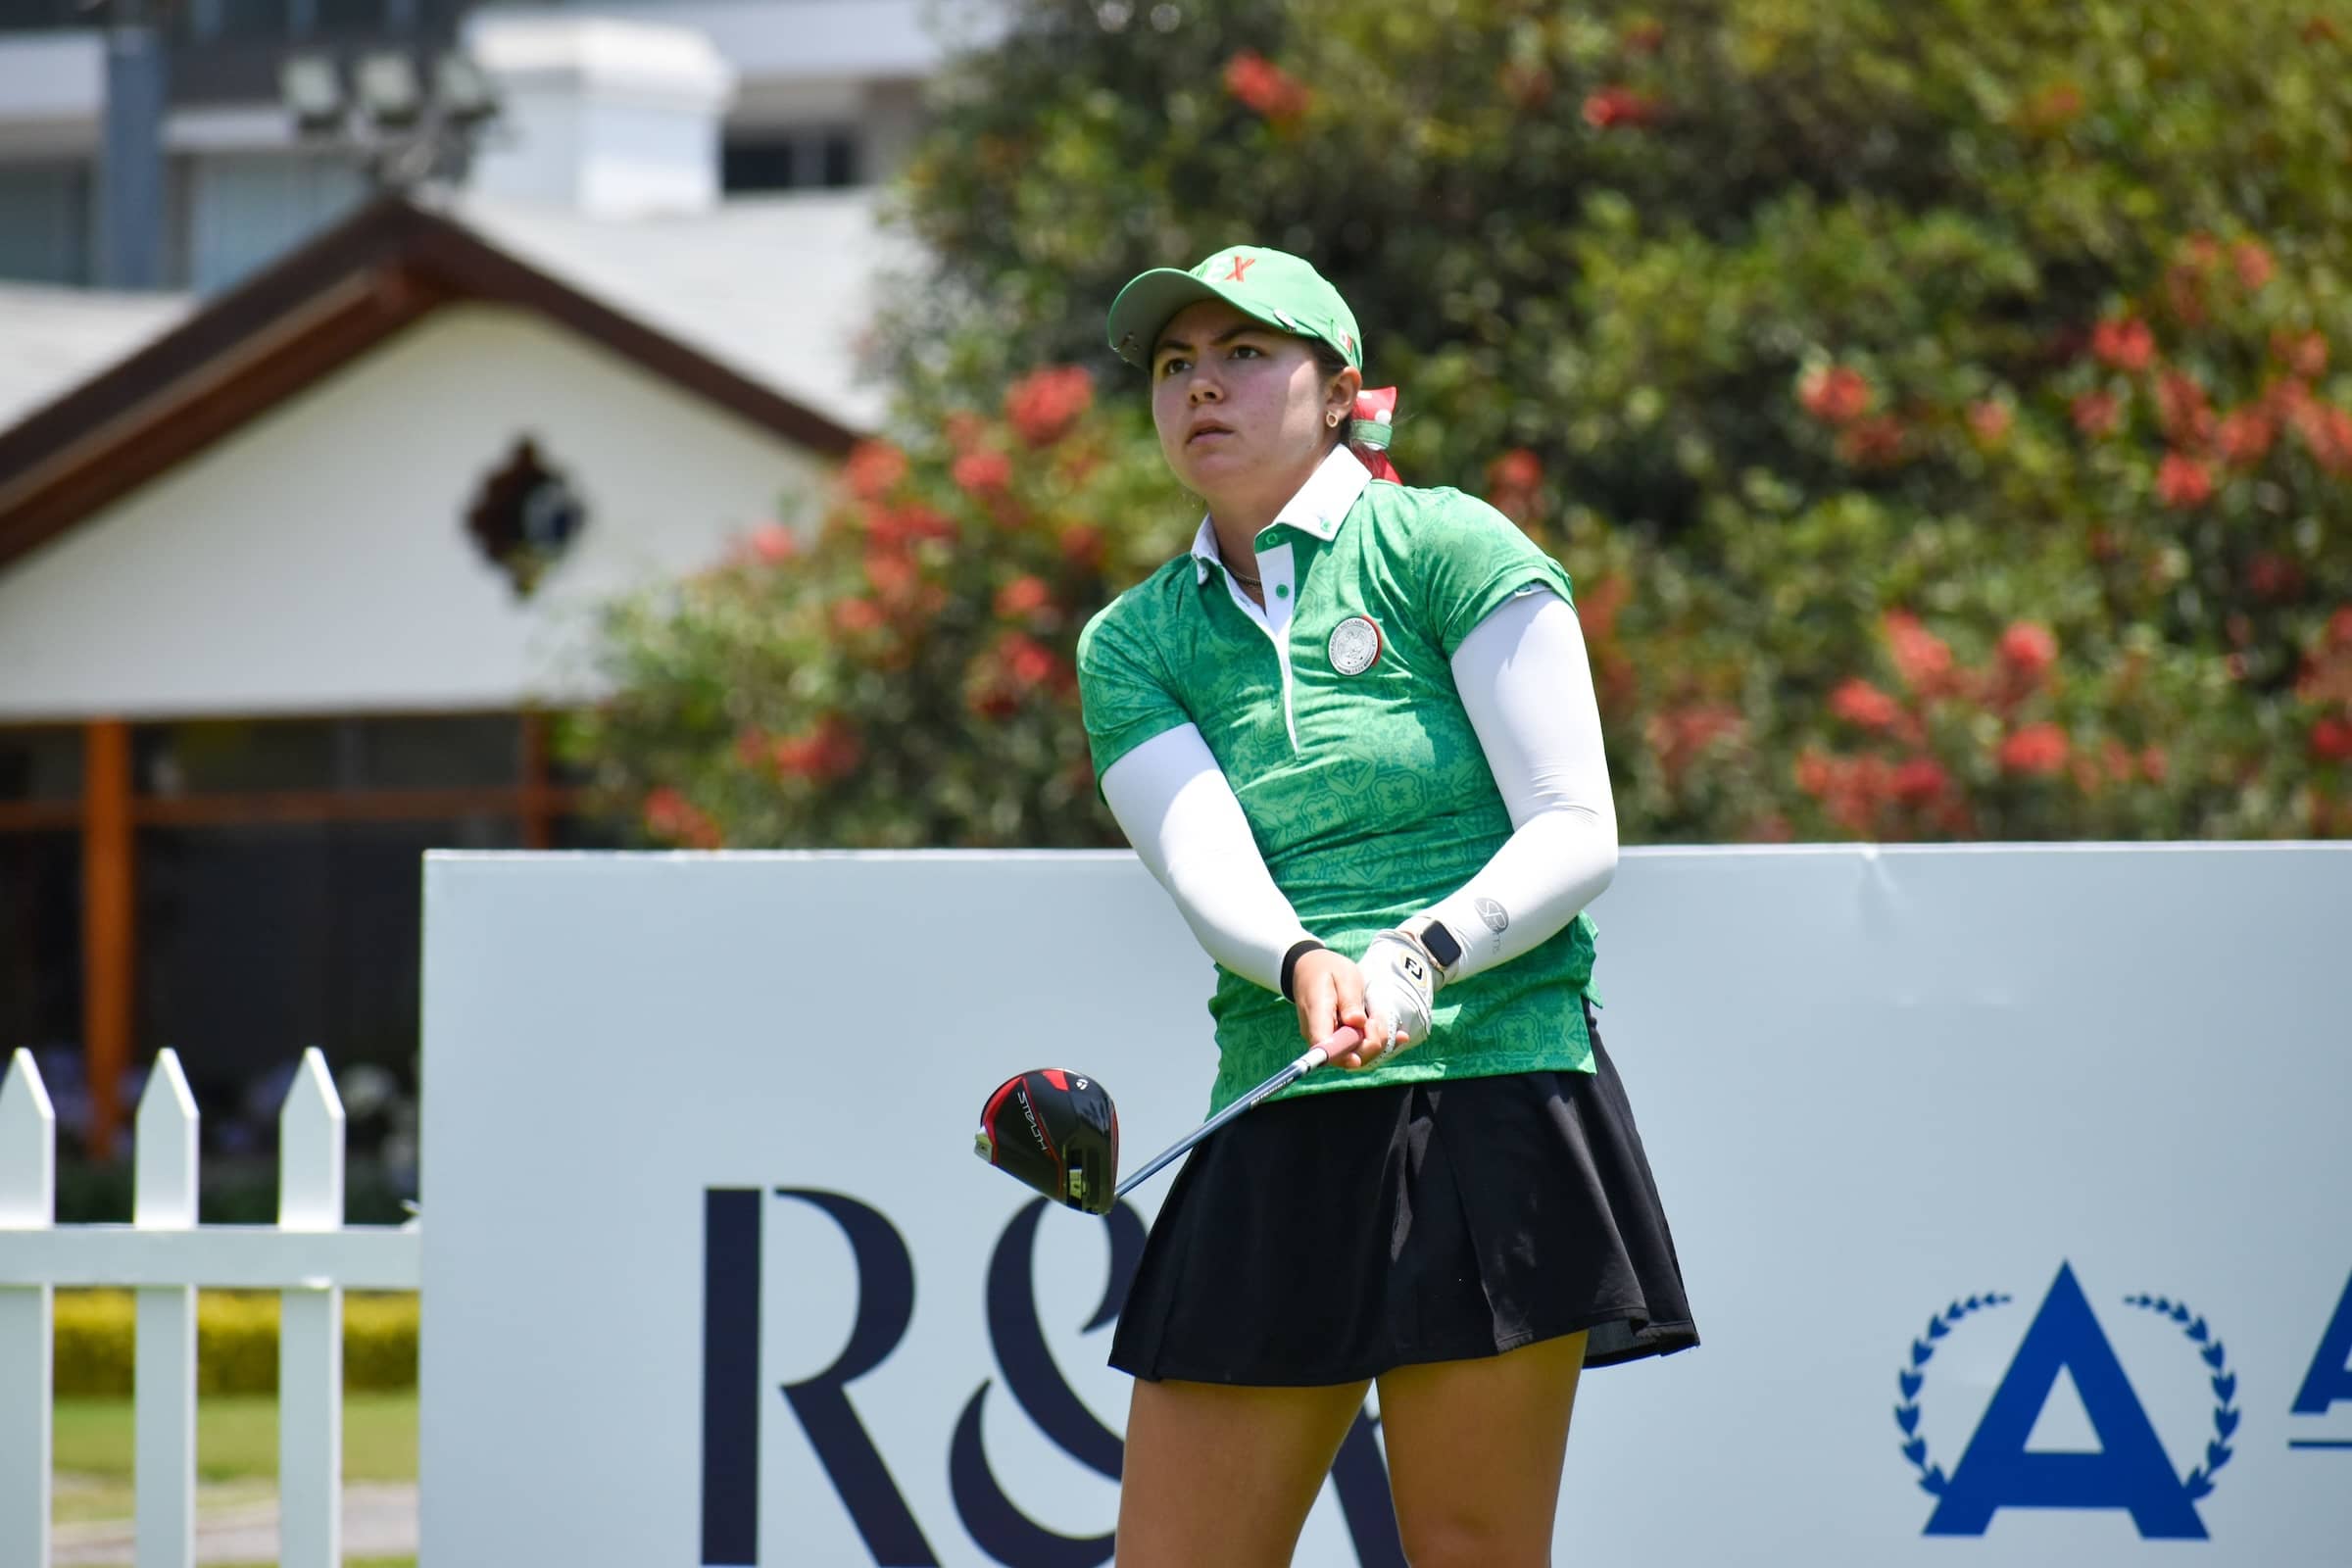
1526, 685
1177, 809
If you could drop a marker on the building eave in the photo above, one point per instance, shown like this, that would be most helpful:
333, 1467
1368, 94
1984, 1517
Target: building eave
319, 309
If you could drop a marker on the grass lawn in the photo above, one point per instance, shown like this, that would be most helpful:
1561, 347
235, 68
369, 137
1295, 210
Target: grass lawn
236, 1452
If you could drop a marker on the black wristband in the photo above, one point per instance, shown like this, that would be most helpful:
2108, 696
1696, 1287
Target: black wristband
1290, 963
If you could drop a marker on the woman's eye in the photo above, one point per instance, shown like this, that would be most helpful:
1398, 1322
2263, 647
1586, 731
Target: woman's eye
1251, 349
1171, 365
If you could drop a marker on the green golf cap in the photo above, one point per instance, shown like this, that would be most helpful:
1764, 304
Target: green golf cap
1273, 286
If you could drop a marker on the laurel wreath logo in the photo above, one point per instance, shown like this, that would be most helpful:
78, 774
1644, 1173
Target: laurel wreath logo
2224, 1388
1909, 1379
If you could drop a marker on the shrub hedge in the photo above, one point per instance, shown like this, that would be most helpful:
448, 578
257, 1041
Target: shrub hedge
236, 1341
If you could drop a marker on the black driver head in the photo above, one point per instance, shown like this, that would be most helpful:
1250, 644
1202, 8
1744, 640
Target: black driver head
1058, 1132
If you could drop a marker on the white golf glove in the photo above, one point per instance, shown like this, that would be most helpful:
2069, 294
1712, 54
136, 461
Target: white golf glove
1401, 981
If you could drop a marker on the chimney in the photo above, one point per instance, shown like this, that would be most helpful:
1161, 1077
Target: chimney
613, 118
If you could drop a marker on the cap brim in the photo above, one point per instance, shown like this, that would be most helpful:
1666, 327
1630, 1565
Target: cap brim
1151, 299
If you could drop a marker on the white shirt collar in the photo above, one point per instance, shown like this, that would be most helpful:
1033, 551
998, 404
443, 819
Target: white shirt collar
1319, 508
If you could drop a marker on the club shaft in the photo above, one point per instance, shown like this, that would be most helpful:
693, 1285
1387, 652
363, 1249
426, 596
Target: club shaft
1314, 1056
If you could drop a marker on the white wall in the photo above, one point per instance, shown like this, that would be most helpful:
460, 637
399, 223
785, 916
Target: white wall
788, 39
52, 92
1873, 1084
318, 560
618, 118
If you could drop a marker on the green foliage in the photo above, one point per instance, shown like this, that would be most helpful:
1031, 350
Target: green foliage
906, 676
1943, 406
94, 1342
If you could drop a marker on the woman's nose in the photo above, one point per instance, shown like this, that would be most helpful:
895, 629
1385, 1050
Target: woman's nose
1205, 390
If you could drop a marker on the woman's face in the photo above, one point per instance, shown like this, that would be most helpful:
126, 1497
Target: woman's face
1241, 406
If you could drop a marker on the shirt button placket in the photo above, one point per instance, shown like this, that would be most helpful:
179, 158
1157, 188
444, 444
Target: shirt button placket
1275, 567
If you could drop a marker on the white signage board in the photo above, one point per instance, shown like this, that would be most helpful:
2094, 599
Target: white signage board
2013, 1187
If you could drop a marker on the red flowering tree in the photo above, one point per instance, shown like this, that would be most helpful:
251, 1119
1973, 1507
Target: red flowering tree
898, 674
1944, 408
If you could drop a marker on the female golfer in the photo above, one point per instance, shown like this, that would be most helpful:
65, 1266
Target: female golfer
1353, 732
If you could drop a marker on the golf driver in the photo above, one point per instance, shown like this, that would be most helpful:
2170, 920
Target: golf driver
1057, 1131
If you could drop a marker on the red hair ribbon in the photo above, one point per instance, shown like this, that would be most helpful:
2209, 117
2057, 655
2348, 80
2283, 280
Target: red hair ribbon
1368, 436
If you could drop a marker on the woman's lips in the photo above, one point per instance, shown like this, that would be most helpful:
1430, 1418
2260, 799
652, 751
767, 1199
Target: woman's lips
1207, 430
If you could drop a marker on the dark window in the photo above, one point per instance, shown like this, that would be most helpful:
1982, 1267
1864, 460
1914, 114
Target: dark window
339, 18
795, 160
480, 751
252, 19
227, 756
258, 940
756, 166
591, 833
218, 757
40, 763
36, 16
40, 941
309, 22
45, 231
841, 160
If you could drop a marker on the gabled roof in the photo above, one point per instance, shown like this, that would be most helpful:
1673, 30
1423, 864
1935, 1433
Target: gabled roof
53, 338
385, 267
781, 287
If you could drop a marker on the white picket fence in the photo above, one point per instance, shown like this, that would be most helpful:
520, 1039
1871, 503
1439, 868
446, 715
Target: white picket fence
308, 1255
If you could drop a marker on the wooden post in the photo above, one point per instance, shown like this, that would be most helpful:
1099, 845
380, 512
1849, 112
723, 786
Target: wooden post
107, 918
538, 798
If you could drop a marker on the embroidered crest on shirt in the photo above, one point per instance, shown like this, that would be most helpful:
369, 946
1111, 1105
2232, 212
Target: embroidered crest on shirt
1354, 645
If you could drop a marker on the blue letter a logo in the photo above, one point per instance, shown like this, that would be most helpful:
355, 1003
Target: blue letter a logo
2331, 1376
2129, 1471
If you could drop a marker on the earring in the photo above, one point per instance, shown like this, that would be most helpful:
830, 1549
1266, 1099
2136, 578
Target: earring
1332, 419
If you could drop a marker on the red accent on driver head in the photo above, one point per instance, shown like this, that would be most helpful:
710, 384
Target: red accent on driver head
1055, 1076
988, 1115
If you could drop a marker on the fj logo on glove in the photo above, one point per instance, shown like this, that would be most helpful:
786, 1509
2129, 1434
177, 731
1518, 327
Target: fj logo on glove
1354, 645
1412, 967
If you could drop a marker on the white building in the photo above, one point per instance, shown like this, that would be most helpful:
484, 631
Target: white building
297, 556
826, 94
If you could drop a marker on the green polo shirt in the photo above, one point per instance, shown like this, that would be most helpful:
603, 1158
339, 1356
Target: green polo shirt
1363, 783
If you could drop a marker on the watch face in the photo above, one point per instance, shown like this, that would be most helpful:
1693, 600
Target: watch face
1440, 943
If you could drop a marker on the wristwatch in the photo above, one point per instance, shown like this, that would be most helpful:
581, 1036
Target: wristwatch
1441, 944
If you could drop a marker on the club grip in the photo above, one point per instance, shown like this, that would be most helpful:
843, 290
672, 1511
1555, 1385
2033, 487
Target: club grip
1342, 1039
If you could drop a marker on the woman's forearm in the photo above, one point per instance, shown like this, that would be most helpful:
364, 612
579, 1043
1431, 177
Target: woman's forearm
1174, 805
1526, 685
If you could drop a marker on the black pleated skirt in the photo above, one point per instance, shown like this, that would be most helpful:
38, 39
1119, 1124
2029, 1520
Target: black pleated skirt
1331, 1237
